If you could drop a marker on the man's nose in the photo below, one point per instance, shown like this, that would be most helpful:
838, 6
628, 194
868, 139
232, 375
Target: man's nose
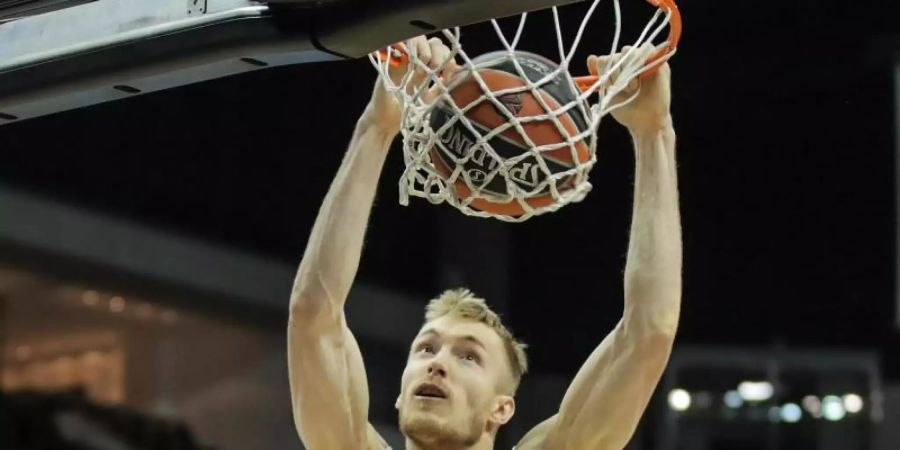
437, 368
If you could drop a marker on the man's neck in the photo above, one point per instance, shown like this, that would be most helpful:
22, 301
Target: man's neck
485, 443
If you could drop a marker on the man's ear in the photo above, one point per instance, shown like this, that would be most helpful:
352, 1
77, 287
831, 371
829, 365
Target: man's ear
504, 409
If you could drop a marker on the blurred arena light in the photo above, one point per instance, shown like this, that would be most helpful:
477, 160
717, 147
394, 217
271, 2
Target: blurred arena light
679, 399
853, 403
756, 391
117, 304
813, 406
833, 408
90, 298
733, 399
791, 413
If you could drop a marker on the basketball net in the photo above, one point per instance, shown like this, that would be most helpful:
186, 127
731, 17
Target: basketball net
460, 188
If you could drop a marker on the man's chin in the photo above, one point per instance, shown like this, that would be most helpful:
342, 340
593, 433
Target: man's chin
428, 428
423, 419
423, 425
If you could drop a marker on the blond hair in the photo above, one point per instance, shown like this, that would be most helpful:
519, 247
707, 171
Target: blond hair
462, 303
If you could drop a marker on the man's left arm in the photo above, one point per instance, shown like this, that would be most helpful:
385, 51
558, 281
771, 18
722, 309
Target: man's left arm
608, 396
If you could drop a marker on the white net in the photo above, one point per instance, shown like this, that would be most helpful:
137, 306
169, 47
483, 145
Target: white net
534, 157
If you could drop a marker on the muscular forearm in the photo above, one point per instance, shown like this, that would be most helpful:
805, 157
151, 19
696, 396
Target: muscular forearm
333, 252
653, 269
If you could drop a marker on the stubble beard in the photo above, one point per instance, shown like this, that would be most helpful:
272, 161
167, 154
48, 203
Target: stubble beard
431, 431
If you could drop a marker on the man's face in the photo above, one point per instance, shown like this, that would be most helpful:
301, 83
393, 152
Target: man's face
452, 390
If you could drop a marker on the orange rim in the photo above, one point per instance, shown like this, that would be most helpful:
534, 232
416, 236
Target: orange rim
587, 82
399, 58
674, 34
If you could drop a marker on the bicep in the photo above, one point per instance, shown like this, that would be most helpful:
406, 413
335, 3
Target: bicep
329, 389
605, 402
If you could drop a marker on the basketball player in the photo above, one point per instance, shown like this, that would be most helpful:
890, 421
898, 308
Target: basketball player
460, 379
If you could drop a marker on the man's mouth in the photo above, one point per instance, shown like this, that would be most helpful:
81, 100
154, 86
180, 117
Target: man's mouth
428, 390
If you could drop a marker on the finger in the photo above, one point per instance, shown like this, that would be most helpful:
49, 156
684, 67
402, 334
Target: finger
592, 62
423, 50
631, 55
440, 57
450, 70
432, 94
647, 51
633, 85
439, 53
663, 51
602, 64
653, 55
417, 44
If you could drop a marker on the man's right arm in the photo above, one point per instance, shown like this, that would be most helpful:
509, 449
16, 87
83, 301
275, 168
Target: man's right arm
329, 389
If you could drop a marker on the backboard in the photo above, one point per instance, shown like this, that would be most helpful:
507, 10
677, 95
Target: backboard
57, 55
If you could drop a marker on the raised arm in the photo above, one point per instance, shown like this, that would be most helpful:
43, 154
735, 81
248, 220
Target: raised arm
329, 389
608, 396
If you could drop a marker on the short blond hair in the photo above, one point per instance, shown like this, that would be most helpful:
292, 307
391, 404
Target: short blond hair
462, 303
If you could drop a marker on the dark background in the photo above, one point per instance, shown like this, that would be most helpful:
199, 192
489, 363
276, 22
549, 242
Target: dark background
785, 123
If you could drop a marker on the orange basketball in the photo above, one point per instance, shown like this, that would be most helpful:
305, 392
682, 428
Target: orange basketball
458, 142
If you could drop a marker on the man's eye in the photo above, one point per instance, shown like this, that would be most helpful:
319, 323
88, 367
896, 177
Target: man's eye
426, 349
470, 357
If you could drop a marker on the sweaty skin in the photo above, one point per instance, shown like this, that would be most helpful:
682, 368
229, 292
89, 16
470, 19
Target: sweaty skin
607, 397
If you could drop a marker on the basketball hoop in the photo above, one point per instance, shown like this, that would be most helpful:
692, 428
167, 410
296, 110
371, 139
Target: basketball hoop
499, 189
